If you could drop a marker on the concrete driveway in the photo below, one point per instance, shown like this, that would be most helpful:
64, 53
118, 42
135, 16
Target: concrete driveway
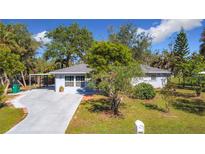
48, 112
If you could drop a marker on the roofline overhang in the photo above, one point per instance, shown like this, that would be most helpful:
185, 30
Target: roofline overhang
158, 73
68, 72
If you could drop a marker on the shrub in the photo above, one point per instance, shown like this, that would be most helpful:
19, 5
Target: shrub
61, 89
91, 85
167, 94
144, 91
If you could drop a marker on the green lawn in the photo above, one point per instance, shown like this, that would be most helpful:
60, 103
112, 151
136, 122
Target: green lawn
9, 117
187, 116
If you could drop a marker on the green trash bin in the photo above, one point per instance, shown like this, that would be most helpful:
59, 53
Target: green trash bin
15, 88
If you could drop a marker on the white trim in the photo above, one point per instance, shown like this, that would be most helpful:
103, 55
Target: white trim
68, 72
201, 72
40, 74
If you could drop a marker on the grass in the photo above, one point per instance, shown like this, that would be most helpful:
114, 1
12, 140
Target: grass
9, 116
93, 116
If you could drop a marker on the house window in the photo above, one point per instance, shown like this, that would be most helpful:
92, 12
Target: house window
153, 77
69, 81
80, 81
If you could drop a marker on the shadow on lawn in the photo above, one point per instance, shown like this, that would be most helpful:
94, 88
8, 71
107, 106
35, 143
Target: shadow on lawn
196, 106
2, 105
182, 94
186, 95
100, 105
153, 107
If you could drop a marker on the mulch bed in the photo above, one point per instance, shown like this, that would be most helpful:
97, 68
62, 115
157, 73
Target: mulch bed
87, 97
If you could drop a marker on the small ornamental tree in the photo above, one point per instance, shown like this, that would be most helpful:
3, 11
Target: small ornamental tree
113, 69
167, 94
116, 82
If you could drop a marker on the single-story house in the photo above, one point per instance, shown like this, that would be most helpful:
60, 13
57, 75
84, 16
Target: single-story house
152, 75
75, 77
71, 78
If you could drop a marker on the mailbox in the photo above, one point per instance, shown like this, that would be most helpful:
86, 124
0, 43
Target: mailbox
139, 127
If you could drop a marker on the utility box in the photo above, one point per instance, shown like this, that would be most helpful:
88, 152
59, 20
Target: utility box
15, 88
139, 127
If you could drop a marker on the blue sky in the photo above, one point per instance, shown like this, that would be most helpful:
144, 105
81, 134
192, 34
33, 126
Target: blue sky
163, 31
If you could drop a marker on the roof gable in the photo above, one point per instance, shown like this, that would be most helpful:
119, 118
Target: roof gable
79, 68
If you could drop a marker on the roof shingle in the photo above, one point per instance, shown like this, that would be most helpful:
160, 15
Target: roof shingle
149, 69
80, 68
83, 68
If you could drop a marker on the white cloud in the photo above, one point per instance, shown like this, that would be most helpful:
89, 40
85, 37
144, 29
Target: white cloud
167, 27
41, 37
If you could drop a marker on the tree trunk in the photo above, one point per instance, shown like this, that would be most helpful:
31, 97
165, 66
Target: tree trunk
183, 82
20, 83
2, 81
67, 61
7, 84
23, 78
6, 88
116, 100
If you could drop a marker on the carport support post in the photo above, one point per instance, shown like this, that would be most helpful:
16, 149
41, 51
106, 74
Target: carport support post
47, 80
29, 80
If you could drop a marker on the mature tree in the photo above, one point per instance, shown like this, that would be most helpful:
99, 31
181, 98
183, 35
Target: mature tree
163, 60
68, 44
202, 46
191, 69
116, 82
18, 39
27, 50
126, 35
180, 51
43, 66
192, 66
138, 42
10, 65
103, 55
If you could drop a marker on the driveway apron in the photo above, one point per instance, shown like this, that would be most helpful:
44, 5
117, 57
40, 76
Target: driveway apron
48, 112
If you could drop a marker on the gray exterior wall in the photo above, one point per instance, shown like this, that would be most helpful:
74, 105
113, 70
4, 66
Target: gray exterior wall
160, 82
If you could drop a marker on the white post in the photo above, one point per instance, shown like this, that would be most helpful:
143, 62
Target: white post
29, 80
74, 80
139, 127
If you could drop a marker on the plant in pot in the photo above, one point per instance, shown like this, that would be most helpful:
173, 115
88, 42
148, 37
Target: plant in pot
61, 89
